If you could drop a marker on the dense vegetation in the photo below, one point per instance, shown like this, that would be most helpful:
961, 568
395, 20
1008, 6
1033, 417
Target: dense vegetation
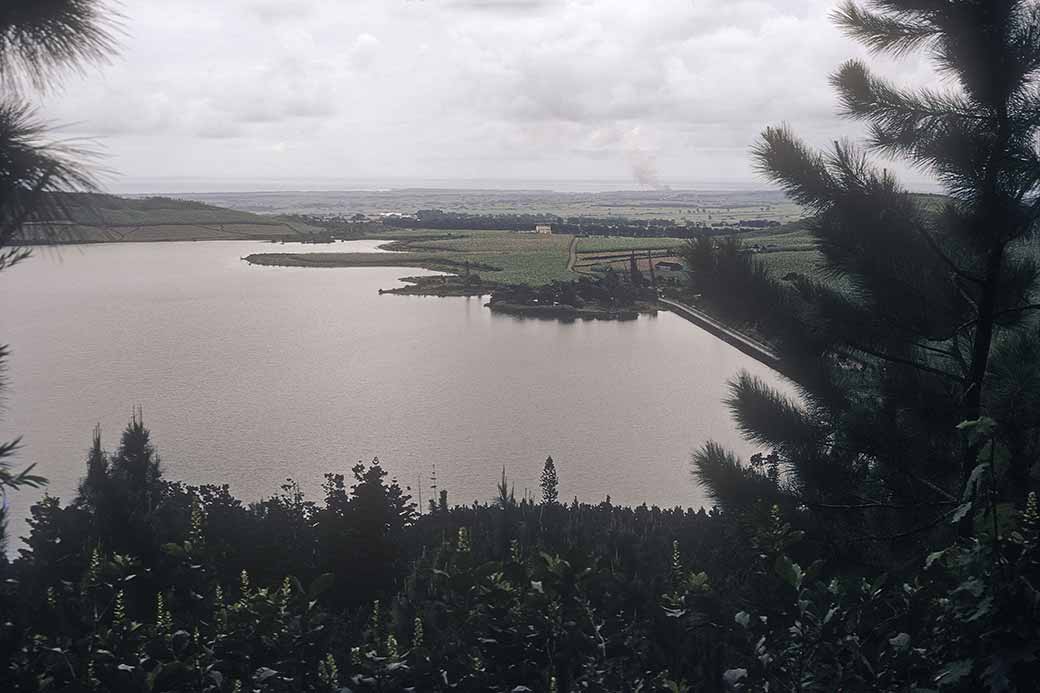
145, 584
142, 584
607, 295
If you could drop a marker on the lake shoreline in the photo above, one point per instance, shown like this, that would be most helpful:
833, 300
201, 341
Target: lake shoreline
452, 283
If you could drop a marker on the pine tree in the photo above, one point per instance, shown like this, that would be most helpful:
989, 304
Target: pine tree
926, 315
93, 485
136, 464
550, 483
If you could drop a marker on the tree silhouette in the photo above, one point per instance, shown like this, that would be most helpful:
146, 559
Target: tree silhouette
550, 483
928, 317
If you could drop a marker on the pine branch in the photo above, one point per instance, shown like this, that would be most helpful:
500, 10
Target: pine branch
905, 362
881, 33
937, 249
788, 162
33, 171
38, 38
728, 482
769, 418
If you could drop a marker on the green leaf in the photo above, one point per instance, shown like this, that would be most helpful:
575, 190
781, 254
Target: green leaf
813, 571
697, 582
901, 642
962, 510
789, 571
320, 586
977, 430
953, 672
180, 641
732, 677
174, 550
971, 487
877, 585
933, 557
975, 586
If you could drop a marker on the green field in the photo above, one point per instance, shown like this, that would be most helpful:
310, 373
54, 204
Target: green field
498, 256
799, 261
517, 258
606, 244
798, 239
521, 258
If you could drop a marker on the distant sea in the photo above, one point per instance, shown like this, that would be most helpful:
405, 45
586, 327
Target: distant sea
481, 196
171, 185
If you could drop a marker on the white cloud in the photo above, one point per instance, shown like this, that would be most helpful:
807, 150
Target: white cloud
677, 89
364, 50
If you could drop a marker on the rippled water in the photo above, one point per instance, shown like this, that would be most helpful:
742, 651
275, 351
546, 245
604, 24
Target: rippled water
248, 375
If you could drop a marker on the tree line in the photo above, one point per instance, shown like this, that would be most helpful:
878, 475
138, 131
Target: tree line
578, 226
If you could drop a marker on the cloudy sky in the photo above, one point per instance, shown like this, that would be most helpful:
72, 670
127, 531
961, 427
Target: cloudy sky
326, 93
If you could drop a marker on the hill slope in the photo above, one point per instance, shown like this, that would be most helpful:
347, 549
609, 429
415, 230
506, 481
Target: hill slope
95, 218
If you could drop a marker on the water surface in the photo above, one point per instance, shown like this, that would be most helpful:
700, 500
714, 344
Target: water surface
248, 375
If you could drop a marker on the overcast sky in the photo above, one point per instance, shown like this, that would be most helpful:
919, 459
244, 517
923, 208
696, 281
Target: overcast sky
318, 93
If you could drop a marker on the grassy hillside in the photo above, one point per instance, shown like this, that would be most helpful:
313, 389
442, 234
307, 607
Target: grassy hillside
93, 218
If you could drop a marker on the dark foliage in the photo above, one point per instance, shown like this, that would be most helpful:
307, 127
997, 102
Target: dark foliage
927, 310
578, 226
608, 291
907, 464
189, 589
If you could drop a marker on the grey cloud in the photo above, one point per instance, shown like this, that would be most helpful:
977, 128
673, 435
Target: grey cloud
446, 88
219, 130
272, 11
501, 5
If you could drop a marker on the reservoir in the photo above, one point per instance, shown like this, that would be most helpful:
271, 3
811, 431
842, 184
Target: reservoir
250, 375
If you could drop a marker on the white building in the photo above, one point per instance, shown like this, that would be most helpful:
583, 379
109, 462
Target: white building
543, 228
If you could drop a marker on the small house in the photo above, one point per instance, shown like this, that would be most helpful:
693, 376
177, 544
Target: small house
543, 229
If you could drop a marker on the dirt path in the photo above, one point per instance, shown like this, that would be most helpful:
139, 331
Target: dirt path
572, 254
